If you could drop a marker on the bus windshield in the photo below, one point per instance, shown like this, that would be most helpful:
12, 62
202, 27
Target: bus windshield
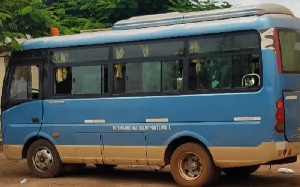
290, 50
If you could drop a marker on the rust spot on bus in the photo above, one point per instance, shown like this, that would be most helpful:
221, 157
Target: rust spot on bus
284, 152
267, 39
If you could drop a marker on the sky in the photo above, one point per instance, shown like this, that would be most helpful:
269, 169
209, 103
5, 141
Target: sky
293, 5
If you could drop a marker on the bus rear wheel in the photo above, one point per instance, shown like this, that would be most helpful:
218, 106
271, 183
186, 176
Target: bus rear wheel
43, 159
241, 171
192, 165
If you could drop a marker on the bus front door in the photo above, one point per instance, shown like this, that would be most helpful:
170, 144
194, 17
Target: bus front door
23, 107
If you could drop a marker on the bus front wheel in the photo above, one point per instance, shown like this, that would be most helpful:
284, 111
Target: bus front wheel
192, 165
43, 159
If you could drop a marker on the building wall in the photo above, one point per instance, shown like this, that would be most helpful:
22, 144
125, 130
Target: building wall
2, 69
4, 57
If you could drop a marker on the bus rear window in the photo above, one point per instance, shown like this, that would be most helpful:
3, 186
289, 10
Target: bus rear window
290, 50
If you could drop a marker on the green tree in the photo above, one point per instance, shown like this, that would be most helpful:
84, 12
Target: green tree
22, 18
196, 5
76, 15
34, 18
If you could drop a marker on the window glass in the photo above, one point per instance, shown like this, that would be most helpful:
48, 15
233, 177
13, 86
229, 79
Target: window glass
149, 50
224, 72
78, 55
25, 83
172, 75
81, 80
225, 42
148, 77
290, 50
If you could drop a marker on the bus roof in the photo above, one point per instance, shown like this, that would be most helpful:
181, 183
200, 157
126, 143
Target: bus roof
192, 17
195, 23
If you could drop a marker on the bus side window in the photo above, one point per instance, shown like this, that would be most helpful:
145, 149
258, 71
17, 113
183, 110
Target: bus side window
246, 71
156, 76
81, 80
210, 73
224, 72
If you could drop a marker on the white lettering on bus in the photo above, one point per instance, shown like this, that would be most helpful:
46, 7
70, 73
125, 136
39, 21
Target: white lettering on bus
140, 128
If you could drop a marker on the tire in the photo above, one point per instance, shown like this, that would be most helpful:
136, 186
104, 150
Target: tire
192, 165
43, 159
216, 176
241, 171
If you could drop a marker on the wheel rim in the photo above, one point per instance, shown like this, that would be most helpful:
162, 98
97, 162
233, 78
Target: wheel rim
190, 166
42, 159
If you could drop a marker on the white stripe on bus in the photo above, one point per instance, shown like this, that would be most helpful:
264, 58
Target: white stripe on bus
94, 121
157, 120
247, 119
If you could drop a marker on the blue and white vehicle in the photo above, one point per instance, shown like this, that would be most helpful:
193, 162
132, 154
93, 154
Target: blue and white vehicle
202, 92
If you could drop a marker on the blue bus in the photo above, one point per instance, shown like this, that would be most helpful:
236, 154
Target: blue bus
203, 92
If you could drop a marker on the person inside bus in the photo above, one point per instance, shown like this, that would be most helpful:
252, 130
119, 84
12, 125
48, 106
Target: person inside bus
63, 81
119, 80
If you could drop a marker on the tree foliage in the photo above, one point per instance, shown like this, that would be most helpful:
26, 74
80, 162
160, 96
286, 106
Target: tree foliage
76, 15
21, 18
196, 5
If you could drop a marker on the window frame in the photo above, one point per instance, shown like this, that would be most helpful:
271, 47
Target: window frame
228, 54
78, 48
225, 34
164, 40
232, 89
184, 58
8, 102
51, 81
162, 92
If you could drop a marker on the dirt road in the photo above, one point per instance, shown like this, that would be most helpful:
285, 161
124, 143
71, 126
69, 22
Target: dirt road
11, 173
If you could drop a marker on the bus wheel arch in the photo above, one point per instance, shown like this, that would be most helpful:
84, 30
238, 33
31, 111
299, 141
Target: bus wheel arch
27, 145
174, 144
31, 141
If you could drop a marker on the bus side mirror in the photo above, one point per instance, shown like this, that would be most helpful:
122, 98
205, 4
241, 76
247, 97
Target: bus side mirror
249, 80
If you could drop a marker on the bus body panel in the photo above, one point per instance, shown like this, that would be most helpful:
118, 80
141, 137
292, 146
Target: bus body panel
17, 122
292, 113
290, 82
183, 113
18, 128
291, 94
